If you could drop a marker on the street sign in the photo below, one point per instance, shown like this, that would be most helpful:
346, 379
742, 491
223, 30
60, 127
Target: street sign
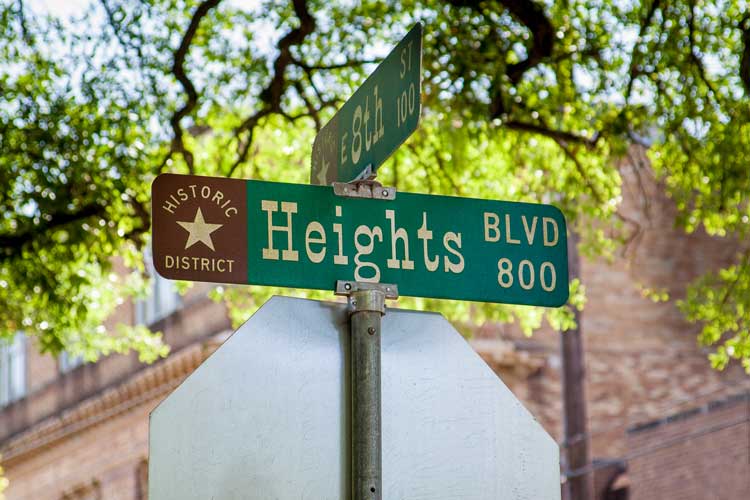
377, 119
302, 236
267, 416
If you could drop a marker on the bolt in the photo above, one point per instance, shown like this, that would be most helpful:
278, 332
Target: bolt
385, 192
371, 330
348, 286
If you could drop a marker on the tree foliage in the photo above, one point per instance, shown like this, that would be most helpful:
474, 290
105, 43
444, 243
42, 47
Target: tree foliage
523, 100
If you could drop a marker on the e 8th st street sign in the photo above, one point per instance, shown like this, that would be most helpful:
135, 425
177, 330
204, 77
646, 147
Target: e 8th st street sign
381, 115
266, 233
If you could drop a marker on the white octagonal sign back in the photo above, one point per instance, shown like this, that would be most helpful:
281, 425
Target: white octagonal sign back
266, 416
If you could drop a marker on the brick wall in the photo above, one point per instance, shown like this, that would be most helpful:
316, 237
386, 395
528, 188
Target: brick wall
108, 454
98, 449
58, 392
700, 454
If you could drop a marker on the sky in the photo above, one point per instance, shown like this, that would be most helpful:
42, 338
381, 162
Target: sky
66, 8
61, 8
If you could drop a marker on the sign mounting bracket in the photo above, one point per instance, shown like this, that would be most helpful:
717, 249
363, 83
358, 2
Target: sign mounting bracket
365, 188
347, 288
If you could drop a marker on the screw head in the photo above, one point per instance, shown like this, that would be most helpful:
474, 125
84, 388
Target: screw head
371, 330
385, 192
348, 286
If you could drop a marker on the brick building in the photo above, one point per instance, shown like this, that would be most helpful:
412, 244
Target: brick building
705, 448
663, 424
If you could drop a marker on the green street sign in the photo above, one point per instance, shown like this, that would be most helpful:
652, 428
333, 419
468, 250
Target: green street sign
302, 236
377, 119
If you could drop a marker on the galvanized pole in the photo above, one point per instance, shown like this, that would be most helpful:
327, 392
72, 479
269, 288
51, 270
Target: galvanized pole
367, 307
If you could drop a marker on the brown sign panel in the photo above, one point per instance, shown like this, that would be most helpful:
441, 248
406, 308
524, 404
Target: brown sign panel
200, 228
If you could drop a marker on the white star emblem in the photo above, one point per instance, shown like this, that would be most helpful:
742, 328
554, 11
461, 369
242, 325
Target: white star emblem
200, 231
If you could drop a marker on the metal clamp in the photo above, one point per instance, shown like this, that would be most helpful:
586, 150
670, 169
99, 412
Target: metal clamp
366, 296
364, 189
344, 287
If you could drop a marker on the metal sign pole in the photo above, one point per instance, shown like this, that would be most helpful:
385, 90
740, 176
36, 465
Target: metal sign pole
366, 306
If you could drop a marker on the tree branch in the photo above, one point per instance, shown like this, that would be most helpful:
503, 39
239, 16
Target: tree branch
116, 29
325, 67
636, 165
271, 95
22, 20
634, 237
11, 245
633, 71
179, 72
745, 57
243, 147
743, 267
591, 51
693, 56
143, 215
531, 15
310, 108
440, 163
557, 135
579, 168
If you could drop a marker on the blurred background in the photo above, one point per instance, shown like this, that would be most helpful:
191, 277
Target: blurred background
631, 117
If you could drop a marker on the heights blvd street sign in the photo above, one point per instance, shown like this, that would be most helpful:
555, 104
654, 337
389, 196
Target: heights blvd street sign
266, 233
376, 120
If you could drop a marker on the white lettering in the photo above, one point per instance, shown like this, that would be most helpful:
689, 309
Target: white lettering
526, 285
340, 258
529, 231
549, 242
289, 208
425, 235
169, 207
548, 286
451, 267
400, 234
316, 257
366, 250
508, 237
491, 226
